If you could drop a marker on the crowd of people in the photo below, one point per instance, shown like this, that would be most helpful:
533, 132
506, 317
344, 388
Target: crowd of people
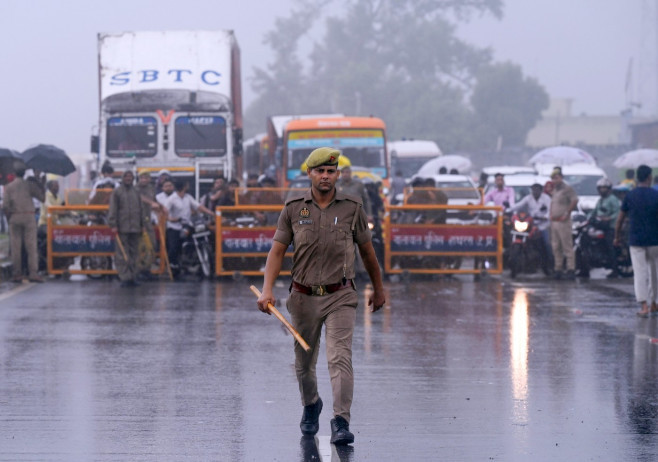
136, 207
134, 210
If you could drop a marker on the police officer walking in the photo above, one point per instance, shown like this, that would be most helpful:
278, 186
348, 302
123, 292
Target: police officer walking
324, 225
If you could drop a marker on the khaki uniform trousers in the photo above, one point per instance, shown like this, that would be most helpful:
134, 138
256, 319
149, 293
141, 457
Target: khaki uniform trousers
23, 232
337, 311
562, 243
127, 269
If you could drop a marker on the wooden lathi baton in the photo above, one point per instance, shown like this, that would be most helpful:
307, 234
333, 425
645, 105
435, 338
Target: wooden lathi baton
123, 251
285, 322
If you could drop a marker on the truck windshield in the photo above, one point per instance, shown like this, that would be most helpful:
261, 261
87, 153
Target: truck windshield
131, 137
200, 136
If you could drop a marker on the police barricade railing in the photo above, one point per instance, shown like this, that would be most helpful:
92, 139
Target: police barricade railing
82, 231
436, 239
243, 238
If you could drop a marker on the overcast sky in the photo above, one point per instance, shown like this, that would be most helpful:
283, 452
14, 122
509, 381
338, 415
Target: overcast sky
577, 49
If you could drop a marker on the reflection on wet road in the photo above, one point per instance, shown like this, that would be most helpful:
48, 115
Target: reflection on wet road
451, 369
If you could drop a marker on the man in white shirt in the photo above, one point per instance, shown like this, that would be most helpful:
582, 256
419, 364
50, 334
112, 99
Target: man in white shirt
180, 207
537, 204
167, 190
106, 180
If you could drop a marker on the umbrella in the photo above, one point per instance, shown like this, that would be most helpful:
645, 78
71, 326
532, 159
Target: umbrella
49, 159
562, 155
9, 154
633, 159
431, 167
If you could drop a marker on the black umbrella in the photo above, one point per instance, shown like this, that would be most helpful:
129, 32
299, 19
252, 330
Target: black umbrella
49, 159
6, 153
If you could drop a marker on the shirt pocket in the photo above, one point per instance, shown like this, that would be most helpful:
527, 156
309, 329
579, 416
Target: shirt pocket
303, 234
341, 234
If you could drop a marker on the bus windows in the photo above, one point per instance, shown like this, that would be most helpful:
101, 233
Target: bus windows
200, 136
131, 137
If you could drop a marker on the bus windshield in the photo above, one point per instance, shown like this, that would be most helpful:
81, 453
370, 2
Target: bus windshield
364, 148
131, 137
200, 136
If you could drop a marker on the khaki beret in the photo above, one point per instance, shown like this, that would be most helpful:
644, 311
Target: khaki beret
322, 156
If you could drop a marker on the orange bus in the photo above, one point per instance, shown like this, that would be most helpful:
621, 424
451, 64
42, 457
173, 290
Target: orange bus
361, 139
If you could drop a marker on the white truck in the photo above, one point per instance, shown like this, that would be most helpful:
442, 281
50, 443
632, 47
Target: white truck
408, 156
171, 100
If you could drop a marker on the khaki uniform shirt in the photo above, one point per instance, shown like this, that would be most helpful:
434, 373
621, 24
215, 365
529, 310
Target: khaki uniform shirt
323, 238
126, 210
147, 191
18, 196
561, 201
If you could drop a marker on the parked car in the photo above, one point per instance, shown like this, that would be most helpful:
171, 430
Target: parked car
508, 170
460, 190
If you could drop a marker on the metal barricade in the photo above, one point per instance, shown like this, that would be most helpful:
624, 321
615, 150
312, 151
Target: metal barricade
82, 231
243, 238
442, 239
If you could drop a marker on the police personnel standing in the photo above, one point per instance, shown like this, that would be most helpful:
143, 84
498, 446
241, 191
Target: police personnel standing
351, 186
324, 225
126, 219
19, 208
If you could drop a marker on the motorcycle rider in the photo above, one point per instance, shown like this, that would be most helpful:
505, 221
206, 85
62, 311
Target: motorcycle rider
603, 217
180, 207
537, 204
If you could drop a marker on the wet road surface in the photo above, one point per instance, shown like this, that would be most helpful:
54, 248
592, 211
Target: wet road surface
449, 370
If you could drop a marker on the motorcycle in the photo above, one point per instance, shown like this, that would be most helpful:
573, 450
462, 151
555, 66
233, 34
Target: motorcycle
592, 248
524, 253
196, 251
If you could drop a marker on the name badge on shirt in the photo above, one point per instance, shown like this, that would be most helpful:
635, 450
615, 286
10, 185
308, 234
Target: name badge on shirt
306, 222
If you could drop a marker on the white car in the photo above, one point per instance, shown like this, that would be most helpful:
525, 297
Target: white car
460, 189
508, 170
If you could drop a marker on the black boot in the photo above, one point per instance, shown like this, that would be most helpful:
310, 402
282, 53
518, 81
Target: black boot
309, 424
340, 432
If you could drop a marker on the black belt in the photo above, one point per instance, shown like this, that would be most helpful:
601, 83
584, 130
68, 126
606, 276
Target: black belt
321, 289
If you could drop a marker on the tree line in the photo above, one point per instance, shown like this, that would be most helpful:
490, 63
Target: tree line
402, 61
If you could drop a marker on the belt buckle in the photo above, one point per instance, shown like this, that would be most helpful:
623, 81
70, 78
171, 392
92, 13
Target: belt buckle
319, 290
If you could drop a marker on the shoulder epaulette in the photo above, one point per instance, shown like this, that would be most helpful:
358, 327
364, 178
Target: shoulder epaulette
294, 199
353, 199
